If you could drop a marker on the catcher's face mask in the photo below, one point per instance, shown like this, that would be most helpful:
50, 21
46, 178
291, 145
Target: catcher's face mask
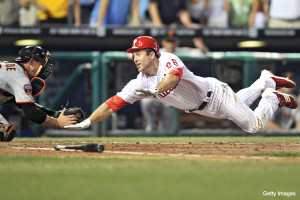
37, 82
47, 66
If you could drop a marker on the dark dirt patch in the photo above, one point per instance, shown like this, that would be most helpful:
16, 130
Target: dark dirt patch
140, 149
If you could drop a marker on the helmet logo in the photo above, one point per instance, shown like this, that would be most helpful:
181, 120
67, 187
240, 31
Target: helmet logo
137, 43
134, 42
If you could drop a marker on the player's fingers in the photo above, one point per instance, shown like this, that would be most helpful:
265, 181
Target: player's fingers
140, 90
73, 119
71, 116
73, 122
140, 93
63, 111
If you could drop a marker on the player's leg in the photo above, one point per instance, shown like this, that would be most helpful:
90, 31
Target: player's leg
238, 112
271, 100
3, 133
266, 80
250, 94
7, 131
3, 120
257, 120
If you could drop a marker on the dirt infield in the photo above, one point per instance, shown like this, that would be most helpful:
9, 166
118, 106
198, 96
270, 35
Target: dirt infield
140, 149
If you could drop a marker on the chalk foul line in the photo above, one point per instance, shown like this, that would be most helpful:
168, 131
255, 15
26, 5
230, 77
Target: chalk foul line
166, 154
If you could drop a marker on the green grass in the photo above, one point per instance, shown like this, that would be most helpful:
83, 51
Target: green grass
29, 177
48, 178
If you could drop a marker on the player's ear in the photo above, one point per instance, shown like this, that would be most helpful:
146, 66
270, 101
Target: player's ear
152, 54
30, 61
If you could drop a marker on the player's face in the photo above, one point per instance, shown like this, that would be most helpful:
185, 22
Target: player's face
142, 60
34, 67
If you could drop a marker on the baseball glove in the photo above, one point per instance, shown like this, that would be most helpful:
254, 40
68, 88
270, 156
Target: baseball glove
73, 111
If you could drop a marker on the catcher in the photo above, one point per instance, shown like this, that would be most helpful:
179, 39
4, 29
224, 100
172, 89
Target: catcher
23, 79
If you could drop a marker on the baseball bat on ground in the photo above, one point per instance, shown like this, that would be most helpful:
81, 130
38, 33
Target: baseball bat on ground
87, 148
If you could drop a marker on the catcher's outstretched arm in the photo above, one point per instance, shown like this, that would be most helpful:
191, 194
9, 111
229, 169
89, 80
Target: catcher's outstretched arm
61, 121
46, 110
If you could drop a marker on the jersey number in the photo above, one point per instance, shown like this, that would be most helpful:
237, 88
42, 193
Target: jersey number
175, 63
10, 67
169, 64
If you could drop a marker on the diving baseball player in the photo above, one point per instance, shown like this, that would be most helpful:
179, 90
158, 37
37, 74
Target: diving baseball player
164, 77
20, 81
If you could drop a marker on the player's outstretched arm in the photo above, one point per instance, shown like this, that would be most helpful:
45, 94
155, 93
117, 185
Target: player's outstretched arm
101, 113
167, 83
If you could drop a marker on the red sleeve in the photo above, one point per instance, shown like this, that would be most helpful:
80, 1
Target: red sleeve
177, 72
116, 103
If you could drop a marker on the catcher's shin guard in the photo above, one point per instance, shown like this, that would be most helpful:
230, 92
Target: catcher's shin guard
7, 132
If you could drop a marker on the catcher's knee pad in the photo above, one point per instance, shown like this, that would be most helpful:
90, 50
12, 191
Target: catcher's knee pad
7, 132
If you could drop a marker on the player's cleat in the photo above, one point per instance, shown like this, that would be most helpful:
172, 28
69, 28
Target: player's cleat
285, 100
280, 81
7, 132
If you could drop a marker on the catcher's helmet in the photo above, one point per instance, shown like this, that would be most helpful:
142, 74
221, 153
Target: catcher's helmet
39, 54
144, 42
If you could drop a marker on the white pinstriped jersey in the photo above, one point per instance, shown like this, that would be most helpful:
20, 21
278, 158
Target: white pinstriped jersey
192, 90
188, 94
15, 83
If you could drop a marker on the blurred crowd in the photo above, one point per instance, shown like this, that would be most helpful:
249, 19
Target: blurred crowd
158, 13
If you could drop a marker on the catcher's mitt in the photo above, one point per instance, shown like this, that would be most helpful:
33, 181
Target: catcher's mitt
73, 111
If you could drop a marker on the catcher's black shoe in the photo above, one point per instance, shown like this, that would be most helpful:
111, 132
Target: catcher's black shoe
7, 132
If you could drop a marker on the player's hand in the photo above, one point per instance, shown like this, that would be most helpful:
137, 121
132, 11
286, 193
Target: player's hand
64, 120
82, 125
146, 92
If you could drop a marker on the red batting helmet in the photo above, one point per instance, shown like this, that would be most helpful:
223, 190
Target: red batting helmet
144, 42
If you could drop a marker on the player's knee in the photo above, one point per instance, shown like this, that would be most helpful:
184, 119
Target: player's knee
255, 128
254, 131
